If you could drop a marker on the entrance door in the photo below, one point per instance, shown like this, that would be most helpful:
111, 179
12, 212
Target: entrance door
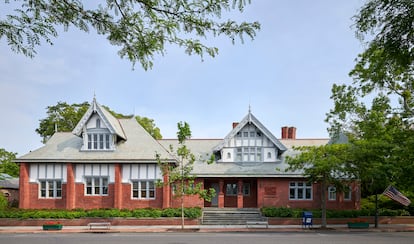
214, 200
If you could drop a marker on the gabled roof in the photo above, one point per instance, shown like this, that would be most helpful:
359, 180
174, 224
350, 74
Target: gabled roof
250, 119
108, 119
62, 147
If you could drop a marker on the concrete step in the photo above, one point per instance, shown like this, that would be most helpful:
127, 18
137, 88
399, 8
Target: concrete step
231, 216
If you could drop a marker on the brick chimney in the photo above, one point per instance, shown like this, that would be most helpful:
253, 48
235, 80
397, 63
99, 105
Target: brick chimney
288, 132
285, 132
235, 124
292, 133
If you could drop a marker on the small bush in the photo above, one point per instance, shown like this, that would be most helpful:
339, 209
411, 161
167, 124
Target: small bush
317, 213
192, 213
171, 212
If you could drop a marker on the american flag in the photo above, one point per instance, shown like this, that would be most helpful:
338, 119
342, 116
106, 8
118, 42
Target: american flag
395, 195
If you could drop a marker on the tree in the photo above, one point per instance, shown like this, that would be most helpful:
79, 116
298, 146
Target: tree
147, 123
328, 165
387, 64
149, 126
7, 166
141, 28
61, 117
64, 117
380, 136
180, 176
380, 128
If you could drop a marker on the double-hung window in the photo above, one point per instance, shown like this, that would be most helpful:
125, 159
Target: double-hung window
299, 190
96, 185
50, 188
331, 193
143, 189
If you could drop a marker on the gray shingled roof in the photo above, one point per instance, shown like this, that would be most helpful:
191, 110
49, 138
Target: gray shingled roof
10, 183
65, 147
203, 148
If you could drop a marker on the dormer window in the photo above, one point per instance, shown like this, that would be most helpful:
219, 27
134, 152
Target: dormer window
99, 141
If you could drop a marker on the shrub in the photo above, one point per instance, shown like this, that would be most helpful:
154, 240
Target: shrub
171, 212
317, 213
192, 213
3, 202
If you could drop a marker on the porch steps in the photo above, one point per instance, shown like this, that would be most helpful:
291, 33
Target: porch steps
231, 216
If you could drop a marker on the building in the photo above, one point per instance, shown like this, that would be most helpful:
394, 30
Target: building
110, 163
9, 188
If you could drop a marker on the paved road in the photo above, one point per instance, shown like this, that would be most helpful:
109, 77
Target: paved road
211, 238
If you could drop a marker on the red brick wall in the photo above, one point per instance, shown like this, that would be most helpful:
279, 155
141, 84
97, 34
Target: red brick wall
129, 203
275, 192
90, 202
24, 197
264, 192
42, 203
189, 201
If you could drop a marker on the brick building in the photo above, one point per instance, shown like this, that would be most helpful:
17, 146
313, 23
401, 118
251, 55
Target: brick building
110, 163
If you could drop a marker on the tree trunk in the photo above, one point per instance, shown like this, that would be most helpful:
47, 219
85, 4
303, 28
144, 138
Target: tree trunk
182, 212
323, 198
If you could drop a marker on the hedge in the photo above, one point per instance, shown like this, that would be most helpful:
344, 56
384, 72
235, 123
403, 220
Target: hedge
317, 213
101, 213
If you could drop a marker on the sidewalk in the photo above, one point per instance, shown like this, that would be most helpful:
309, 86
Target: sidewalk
205, 228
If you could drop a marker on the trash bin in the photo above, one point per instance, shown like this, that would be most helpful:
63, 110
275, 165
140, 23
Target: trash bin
307, 220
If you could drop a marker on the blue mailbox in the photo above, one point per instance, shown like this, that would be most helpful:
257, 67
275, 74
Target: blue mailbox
307, 220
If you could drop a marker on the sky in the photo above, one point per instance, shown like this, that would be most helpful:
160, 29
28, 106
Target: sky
284, 76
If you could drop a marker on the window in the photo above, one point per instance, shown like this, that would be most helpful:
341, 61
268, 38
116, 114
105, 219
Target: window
331, 193
99, 141
98, 123
231, 189
249, 154
300, 191
96, 185
228, 155
144, 189
50, 188
239, 154
246, 189
269, 155
348, 193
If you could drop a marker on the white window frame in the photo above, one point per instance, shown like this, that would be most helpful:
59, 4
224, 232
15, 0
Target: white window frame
52, 188
298, 190
143, 189
332, 193
98, 141
249, 154
98, 185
